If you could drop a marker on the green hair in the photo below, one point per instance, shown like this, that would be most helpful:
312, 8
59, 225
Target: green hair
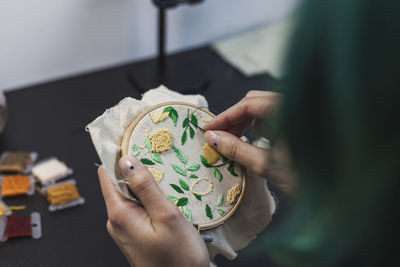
341, 120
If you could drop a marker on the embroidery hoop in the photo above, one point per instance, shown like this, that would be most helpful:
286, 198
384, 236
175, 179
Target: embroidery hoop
125, 149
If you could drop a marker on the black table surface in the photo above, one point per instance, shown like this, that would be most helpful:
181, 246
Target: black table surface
50, 118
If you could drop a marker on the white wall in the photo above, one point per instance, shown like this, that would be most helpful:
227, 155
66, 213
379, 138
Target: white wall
42, 40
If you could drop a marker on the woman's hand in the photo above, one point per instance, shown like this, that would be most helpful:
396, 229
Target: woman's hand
156, 234
256, 109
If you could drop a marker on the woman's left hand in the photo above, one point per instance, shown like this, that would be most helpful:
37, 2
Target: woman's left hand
156, 234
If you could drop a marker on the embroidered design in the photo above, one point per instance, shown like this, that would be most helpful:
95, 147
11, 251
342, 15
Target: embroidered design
197, 196
198, 181
173, 114
193, 166
176, 188
220, 211
217, 173
147, 161
187, 124
179, 169
187, 212
183, 184
220, 200
172, 198
135, 149
161, 140
202, 117
182, 202
157, 174
210, 155
209, 212
147, 143
193, 176
231, 168
180, 155
157, 117
204, 162
156, 157
233, 193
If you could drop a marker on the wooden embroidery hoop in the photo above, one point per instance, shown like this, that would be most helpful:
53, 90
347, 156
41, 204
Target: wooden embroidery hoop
125, 149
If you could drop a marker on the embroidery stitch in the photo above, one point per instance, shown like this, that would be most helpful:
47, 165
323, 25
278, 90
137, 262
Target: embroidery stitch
173, 114
176, 188
197, 196
210, 154
187, 212
231, 169
183, 184
157, 174
180, 155
156, 157
172, 198
182, 202
217, 173
147, 161
193, 166
233, 193
193, 176
202, 118
209, 212
198, 181
159, 116
220, 200
221, 212
161, 140
147, 143
179, 169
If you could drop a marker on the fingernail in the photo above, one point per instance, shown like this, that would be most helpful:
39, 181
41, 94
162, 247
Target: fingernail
128, 164
212, 138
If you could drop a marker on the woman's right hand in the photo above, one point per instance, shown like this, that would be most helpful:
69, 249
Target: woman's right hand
223, 132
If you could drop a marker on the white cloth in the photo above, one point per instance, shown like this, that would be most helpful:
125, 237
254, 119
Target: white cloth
253, 214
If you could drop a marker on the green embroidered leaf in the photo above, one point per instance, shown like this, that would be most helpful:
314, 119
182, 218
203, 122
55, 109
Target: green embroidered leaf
168, 109
223, 159
185, 122
176, 188
135, 147
147, 143
193, 120
192, 166
191, 132
180, 155
193, 176
197, 196
217, 173
184, 136
183, 184
187, 212
182, 202
174, 115
156, 157
172, 198
204, 161
179, 169
220, 200
221, 212
231, 169
209, 212
146, 161
136, 153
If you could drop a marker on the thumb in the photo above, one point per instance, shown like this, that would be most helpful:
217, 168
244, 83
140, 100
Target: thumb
253, 158
143, 185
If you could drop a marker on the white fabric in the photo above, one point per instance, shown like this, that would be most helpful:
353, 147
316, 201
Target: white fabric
258, 51
253, 214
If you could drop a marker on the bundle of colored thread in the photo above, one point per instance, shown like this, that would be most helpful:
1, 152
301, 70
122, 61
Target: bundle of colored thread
13, 185
16, 161
18, 225
62, 193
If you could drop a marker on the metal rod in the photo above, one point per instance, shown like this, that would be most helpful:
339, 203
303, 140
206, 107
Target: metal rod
161, 37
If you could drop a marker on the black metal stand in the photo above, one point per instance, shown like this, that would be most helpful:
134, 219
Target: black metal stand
178, 73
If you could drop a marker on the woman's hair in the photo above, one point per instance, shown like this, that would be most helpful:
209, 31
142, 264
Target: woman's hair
341, 118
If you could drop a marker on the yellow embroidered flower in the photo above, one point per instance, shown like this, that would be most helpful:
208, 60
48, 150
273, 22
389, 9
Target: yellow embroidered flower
161, 140
210, 154
233, 193
157, 117
157, 174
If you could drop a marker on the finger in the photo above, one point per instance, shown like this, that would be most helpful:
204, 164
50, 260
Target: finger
143, 185
243, 112
253, 158
117, 205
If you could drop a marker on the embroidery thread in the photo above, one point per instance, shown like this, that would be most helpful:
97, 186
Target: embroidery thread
217, 173
198, 181
179, 169
182, 202
233, 193
147, 161
193, 166
156, 157
183, 184
157, 174
209, 212
176, 188
161, 140
187, 212
220, 200
180, 155
173, 114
